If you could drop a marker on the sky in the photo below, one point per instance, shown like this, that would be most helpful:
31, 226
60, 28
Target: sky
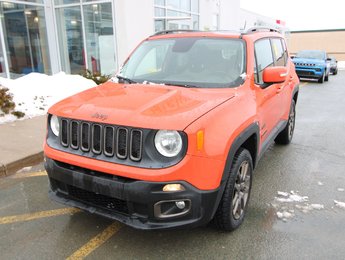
301, 14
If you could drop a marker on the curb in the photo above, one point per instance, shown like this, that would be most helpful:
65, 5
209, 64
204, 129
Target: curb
12, 167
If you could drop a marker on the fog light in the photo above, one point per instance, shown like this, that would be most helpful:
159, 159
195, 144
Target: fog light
180, 204
173, 187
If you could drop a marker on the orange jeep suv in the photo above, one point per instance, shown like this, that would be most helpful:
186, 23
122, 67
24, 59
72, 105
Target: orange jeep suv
174, 141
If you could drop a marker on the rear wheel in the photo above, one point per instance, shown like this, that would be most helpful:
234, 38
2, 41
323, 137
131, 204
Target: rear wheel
233, 206
285, 136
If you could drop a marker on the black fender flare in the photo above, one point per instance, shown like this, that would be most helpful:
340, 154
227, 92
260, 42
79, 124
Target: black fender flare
236, 144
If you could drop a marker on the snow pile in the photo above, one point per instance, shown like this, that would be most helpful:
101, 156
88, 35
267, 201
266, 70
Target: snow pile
35, 92
341, 189
341, 65
339, 204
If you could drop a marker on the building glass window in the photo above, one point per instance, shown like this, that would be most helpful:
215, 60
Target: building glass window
86, 37
71, 39
2, 62
176, 14
25, 38
99, 37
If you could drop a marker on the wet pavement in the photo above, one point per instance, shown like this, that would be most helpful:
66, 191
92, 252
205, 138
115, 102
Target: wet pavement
311, 171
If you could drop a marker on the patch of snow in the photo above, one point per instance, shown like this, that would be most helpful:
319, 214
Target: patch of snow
341, 65
341, 189
293, 197
339, 204
34, 93
317, 206
319, 183
25, 169
282, 193
284, 215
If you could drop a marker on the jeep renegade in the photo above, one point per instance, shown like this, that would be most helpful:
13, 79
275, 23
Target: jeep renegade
174, 142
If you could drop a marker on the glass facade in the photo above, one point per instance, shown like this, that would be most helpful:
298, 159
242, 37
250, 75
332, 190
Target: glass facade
2, 62
81, 36
71, 42
176, 14
99, 35
25, 38
48, 36
86, 36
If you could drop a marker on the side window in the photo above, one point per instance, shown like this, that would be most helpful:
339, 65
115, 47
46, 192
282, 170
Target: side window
264, 58
286, 55
278, 52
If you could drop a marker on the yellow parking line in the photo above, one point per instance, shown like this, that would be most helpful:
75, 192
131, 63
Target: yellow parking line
28, 174
95, 242
37, 215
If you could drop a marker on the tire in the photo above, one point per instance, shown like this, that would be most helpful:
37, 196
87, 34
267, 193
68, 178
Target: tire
322, 79
285, 136
326, 77
335, 72
228, 216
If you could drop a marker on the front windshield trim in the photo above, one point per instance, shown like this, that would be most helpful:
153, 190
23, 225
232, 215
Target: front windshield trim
194, 84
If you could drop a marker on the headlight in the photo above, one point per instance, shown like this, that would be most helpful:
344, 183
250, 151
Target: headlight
54, 125
168, 143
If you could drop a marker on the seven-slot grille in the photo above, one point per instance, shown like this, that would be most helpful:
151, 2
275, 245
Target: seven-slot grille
102, 139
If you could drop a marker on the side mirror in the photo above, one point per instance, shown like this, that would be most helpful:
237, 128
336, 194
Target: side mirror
292, 57
274, 75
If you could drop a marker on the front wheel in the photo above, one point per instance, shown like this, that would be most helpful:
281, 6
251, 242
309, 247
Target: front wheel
233, 206
322, 79
285, 136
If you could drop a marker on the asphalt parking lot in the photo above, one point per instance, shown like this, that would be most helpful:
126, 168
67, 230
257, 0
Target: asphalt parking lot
305, 220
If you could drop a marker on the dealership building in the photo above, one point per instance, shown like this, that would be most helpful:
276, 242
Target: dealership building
49, 36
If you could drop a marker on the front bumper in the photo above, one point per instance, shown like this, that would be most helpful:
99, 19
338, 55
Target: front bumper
139, 204
308, 72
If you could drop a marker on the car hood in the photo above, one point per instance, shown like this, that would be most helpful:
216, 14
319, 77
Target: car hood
142, 105
309, 61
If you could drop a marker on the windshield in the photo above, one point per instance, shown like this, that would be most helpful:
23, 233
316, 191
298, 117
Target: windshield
320, 55
190, 62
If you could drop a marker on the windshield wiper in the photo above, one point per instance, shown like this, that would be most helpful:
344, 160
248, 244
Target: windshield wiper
180, 85
124, 79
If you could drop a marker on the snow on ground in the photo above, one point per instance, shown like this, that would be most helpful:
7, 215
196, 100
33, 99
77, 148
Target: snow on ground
288, 204
341, 65
35, 93
339, 204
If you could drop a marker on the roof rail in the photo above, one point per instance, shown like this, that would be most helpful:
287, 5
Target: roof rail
261, 29
173, 31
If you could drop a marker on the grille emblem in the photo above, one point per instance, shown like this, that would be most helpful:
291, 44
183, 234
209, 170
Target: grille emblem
99, 116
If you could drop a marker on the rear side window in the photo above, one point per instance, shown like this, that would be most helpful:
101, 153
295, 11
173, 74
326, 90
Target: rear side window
264, 58
286, 55
278, 51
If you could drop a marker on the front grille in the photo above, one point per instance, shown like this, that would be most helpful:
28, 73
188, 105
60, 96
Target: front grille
305, 73
98, 200
305, 64
102, 139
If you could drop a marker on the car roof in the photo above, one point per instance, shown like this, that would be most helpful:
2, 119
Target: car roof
253, 33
